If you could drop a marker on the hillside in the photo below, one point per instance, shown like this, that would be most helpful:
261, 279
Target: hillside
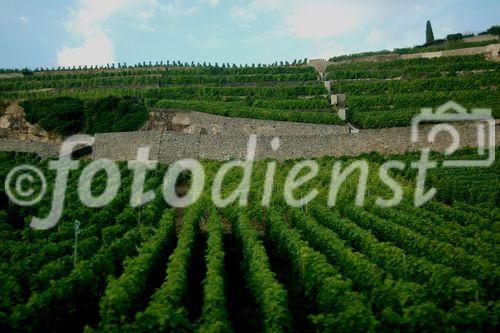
165, 220
270, 269
378, 93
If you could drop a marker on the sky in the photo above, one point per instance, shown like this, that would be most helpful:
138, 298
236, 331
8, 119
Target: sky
47, 33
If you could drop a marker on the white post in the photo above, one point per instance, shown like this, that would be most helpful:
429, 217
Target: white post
75, 245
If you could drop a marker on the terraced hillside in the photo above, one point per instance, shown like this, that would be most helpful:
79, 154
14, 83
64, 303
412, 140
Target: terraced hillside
274, 269
379, 94
390, 93
333, 265
272, 92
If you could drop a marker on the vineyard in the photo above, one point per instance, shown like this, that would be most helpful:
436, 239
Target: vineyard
286, 92
378, 94
319, 258
264, 268
387, 94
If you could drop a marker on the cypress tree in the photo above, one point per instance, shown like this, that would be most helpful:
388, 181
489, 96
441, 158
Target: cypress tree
429, 34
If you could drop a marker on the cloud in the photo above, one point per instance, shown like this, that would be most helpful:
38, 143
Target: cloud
325, 19
23, 19
212, 3
243, 14
304, 18
250, 11
96, 50
328, 50
381, 36
335, 27
87, 23
175, 8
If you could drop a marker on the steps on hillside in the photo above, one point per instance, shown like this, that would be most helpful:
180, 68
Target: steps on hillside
353, 129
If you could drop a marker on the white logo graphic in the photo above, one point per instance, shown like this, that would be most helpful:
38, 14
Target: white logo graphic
453, 112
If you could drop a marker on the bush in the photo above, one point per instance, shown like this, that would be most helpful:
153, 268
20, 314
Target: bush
62, 115
494, 30
454, 37
67, 115
114, 114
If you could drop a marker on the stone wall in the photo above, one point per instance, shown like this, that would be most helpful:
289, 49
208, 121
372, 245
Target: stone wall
123, 146
42, 149
481, 38
491, 51
205, 123
453, 53
171, 146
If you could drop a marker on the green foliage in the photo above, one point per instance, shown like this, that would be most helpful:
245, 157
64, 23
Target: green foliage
389, 94
494, 30
340, 307
293, 104
240, 110
67, 115
59, 304
412, 50
166, 310
443, 287
464, 264
123, 296
62, 115
356, 268
454, 37
114, 114
214, 316
393, 299
472, 82
270, 295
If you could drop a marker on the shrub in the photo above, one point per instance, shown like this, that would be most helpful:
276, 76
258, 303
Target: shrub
67, 115
114, 114
62, 115
494, 30
454, 37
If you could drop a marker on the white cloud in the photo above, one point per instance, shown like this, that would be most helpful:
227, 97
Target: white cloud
212, 3
328, 50
250, 11
325, 19
337, 26
176, 8
381, 36
96, 50
23, 19
243, 14
88, 24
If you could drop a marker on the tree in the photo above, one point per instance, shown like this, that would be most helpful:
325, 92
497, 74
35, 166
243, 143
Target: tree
429, 34
494, 30
454, 37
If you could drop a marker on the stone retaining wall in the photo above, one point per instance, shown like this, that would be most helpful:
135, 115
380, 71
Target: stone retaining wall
42, 149
481, 38
491, 51
171, 146
204, 123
